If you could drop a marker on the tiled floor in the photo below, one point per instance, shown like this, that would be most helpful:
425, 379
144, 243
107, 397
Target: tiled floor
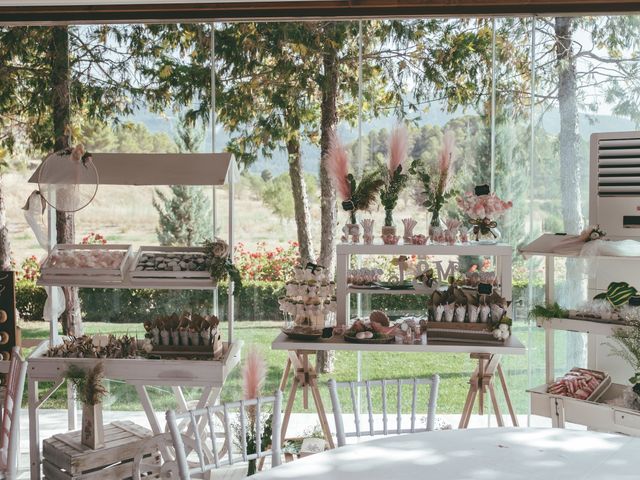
55, 421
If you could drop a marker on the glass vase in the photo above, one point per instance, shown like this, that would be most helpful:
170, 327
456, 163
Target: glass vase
437, 227
484, 232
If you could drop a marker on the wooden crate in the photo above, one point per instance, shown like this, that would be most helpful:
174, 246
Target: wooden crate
461, 332
65, 458
168, 275
67, 274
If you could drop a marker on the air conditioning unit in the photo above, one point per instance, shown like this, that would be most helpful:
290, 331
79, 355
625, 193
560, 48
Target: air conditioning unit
614, 202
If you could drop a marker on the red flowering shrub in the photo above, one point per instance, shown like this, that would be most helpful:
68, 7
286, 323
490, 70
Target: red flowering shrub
29, 270
266, 265
94, 238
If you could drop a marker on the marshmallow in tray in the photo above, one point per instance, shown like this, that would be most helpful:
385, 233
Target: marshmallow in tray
578, 383
103, 259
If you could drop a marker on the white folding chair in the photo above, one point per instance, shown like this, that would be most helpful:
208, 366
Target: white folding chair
9, 436
385, 386
200, 436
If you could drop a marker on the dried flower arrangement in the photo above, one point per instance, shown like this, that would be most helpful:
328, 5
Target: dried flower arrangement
354, 196
219, 262
89, 383
437, 186
394, 180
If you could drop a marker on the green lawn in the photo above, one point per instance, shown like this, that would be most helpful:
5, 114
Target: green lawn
454, 369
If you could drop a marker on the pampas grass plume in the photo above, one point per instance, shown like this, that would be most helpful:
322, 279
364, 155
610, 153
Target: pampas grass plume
254, 373
338, 166
398, 147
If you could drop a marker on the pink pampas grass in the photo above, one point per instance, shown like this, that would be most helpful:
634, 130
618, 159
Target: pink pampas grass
398, 147
446, 158
338, 166
254, 373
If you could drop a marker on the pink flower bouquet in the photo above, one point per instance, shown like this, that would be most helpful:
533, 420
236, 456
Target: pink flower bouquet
482, 212
483, 206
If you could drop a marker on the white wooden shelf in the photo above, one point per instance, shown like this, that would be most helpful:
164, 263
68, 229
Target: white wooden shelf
159, 284
512, 346
550, 245
454, 250
577, 325
596, 415
179, 372
127, 281
501, 252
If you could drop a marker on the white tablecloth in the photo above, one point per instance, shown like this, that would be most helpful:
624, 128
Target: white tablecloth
477, 454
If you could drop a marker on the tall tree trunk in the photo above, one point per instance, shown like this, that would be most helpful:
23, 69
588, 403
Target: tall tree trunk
300, 201
5, 245
570, 169
61, 112
328, 122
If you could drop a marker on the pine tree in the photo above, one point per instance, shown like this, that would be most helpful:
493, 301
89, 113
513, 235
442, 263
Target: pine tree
185, 213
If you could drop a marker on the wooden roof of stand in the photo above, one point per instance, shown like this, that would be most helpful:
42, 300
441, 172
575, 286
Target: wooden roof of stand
60, 12
158, 169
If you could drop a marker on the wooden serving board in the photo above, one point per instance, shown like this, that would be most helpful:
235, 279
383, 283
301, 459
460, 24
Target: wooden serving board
382, 340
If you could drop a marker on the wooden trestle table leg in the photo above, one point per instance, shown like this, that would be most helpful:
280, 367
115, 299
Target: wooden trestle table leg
305, 376
480, 382
503, 382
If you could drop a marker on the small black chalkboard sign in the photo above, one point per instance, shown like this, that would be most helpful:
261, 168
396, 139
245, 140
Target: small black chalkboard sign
7, 313
482, 190
485, 288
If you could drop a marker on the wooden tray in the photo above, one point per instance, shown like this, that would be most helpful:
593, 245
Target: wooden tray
309, 337
137, 275
103, 273
470, 327
461, 332
380, 340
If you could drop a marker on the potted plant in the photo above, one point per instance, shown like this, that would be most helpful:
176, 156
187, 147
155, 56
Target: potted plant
436, 186
90, 391
355, 196
394, 180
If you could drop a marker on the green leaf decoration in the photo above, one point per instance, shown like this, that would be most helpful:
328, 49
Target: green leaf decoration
617, 294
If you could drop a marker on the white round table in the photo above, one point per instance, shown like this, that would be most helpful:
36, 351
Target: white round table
476, 454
